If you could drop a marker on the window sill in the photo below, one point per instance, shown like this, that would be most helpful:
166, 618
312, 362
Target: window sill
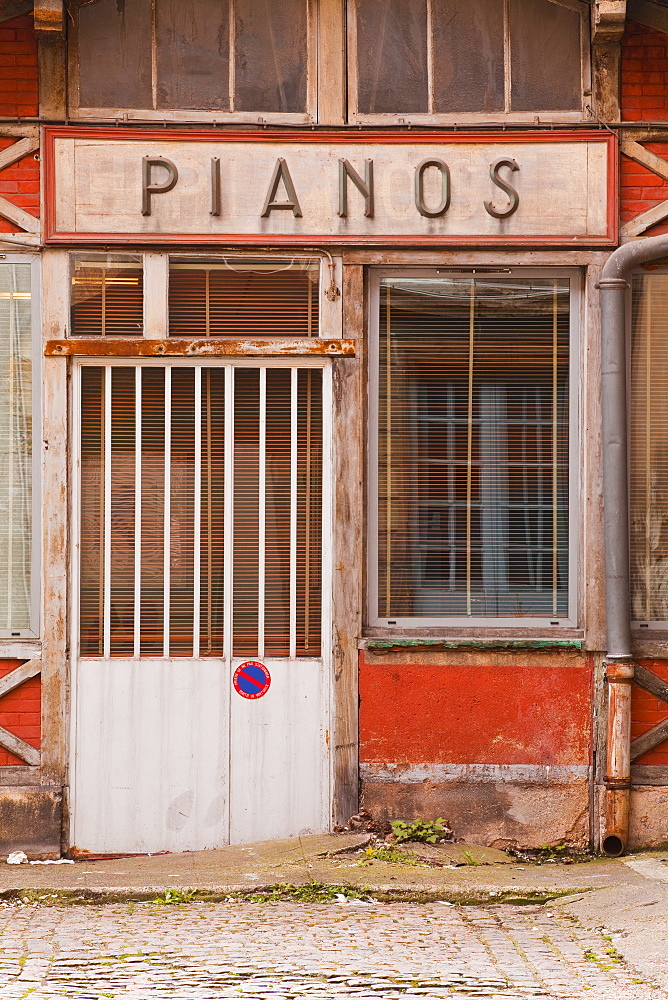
394, 643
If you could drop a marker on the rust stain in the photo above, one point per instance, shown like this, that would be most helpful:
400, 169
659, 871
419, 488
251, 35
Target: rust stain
141, 347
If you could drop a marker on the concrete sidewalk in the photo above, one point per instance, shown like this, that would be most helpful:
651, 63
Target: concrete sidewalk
627, 896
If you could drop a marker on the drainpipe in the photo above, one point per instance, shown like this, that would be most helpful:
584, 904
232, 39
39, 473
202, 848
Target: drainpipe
619, 665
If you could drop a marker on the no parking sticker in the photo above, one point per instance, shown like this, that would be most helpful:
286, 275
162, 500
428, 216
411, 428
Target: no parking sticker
251, 679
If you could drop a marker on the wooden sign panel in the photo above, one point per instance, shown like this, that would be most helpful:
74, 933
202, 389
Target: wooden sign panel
135, 186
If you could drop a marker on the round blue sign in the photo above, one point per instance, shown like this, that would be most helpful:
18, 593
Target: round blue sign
251, 679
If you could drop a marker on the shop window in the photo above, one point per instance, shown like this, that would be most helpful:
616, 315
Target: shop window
471, 441
17, 580
648, 479
444, 57
193, 55
107, 295
243, 298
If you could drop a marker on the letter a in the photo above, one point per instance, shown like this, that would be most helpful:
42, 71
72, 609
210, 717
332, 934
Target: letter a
281, 173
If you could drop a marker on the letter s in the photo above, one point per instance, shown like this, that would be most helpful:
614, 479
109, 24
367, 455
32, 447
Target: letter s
503, 161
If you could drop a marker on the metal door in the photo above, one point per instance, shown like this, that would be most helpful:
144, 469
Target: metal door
202, 526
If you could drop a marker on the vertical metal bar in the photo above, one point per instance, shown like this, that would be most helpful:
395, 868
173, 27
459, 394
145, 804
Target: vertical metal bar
138, 499
293, 512
207, 301
469, 447
154, 57
309, 304
307, 517
209, 514
103, 302
167, 514
555, 441
648, 451
228, 518
106, 618
262, 512
197, 509
388, 453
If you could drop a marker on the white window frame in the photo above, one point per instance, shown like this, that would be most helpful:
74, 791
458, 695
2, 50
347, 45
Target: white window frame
374, 620
355, 117
34, 631
310, 116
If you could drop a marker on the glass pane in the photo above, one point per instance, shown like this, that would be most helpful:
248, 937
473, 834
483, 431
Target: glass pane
115, 54
468, 55
243, 298
107, 295
193, 54
15, 446
545, 56
473, 447
649, 449
271, 49
392, 56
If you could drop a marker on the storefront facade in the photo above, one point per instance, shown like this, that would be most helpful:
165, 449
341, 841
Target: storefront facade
315, 489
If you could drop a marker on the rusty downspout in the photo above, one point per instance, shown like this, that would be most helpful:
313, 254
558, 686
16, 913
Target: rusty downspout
619, 660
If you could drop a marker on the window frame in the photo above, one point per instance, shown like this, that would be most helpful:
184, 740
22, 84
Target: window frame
535, 116
373, 619
309, 117
35, 628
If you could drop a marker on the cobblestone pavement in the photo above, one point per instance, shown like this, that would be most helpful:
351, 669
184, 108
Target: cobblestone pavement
217, 951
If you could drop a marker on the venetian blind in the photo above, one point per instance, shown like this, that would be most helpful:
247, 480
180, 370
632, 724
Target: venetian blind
473, 448
648, 481
107, 295
238, 298
15, 446
155, 496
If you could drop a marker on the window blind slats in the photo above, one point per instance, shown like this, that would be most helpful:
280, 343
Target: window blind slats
15, 446
648, 480
244, 300
107, 295
156, 519
473, 448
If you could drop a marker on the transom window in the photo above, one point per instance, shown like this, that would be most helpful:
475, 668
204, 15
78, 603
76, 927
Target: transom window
444, 57
234, 56
471, 436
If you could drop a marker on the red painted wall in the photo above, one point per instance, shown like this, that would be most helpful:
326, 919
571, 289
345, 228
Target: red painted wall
474, 715
20, 712
19, 183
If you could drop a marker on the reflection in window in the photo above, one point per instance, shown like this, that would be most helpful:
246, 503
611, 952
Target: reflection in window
446, 56
473, 448
107, 295
250, 55
649, 449
15, 446
243, 298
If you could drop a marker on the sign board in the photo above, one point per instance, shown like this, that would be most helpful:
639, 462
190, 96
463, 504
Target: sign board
351, 188
251, 679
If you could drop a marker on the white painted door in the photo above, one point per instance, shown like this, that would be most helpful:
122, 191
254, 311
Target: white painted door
202, 527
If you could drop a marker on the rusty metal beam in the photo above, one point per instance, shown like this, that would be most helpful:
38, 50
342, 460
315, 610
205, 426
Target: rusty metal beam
130, 347
49, 15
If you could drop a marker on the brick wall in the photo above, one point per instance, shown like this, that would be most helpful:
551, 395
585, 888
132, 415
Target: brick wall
19, 183
20, 712
644, 97
647, 711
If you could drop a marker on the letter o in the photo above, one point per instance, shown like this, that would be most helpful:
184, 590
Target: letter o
445, 188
